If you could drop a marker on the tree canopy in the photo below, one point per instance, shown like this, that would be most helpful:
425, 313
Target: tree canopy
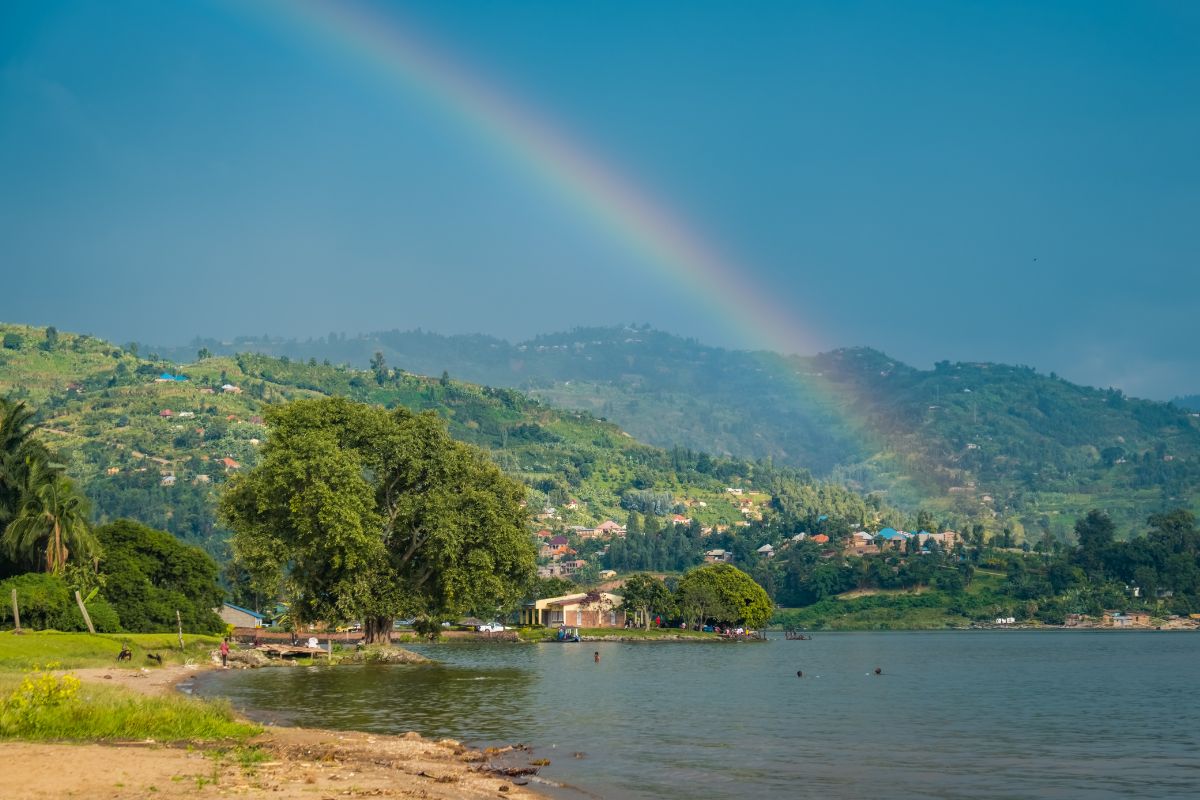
647, 596
724, 592
365, 512
149, 575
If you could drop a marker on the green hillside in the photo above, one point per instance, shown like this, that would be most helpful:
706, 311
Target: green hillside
157, 450
1019, 448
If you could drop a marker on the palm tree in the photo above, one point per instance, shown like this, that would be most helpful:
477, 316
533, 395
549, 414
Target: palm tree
51, 521
17, 446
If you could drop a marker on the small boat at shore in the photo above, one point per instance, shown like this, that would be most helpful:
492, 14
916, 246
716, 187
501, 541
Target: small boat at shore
567, 635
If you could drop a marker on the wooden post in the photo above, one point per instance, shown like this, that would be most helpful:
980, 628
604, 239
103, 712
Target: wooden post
179, 622
16, 614
83, 610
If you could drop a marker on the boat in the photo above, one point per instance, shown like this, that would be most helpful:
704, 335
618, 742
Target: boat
567, 635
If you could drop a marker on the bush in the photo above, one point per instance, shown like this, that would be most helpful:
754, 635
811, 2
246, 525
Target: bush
46, 603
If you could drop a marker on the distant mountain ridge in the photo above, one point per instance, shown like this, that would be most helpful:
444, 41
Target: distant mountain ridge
965, 436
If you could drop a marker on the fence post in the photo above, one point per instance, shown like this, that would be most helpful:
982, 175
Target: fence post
16, 613
179, 622
83, 610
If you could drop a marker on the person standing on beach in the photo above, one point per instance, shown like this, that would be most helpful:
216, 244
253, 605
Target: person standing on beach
225, 652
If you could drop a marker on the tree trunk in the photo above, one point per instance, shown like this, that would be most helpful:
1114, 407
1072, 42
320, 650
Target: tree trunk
378, 630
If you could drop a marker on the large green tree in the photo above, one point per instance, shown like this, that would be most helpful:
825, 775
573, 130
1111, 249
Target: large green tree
723, 592
149, 575
364, 512
647, 596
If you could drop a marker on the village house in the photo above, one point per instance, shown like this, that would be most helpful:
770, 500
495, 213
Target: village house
240, 617
229, 463
580, 610
167, 480
1128, 619
166, 413
606, 574
611, 528
557, 546
862, 543
571, 567
717, 556
229, 388
766, 551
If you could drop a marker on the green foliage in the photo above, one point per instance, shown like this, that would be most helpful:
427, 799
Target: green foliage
47, 603
44, 706
85, 650
378, 514
645, 597
50, 525
150, 575
552, 587
724, 593
1039, 446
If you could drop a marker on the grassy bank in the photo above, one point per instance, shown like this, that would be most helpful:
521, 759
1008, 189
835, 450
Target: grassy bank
77, 650
876, 612
39, 702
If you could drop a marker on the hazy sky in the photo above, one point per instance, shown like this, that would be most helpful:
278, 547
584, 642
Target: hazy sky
1014, 182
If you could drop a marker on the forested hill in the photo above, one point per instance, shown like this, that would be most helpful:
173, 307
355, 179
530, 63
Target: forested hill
154, 440
966, 437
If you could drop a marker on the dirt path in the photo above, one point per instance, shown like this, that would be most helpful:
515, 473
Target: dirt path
281, 763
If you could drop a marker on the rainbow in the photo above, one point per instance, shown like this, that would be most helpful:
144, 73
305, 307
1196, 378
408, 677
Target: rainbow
394, 51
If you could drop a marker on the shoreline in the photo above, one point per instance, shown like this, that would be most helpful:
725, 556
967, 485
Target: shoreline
280, 762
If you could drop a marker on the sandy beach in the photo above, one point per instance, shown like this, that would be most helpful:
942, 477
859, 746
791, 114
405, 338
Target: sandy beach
286, 762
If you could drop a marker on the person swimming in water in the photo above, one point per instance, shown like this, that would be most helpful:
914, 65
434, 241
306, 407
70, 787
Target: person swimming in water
596, 656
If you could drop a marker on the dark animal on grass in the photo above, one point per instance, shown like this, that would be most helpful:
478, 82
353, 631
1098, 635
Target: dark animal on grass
154, 657
126, 654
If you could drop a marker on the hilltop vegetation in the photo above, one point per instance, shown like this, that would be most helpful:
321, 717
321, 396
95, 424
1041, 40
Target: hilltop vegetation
147, 447
1024, 450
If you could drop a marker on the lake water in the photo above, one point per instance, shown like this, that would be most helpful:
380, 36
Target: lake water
997, 714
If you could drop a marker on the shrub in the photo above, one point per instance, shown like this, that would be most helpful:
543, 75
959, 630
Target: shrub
46, 603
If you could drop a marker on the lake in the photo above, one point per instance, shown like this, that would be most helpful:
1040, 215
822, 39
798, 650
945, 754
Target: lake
990, 714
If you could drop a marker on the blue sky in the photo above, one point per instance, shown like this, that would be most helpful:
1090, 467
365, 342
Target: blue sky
1015, 182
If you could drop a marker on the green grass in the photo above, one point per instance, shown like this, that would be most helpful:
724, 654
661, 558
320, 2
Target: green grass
43, 705
75, 650
104, 713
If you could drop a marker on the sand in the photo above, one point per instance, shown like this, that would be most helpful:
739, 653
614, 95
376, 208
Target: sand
299, 762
